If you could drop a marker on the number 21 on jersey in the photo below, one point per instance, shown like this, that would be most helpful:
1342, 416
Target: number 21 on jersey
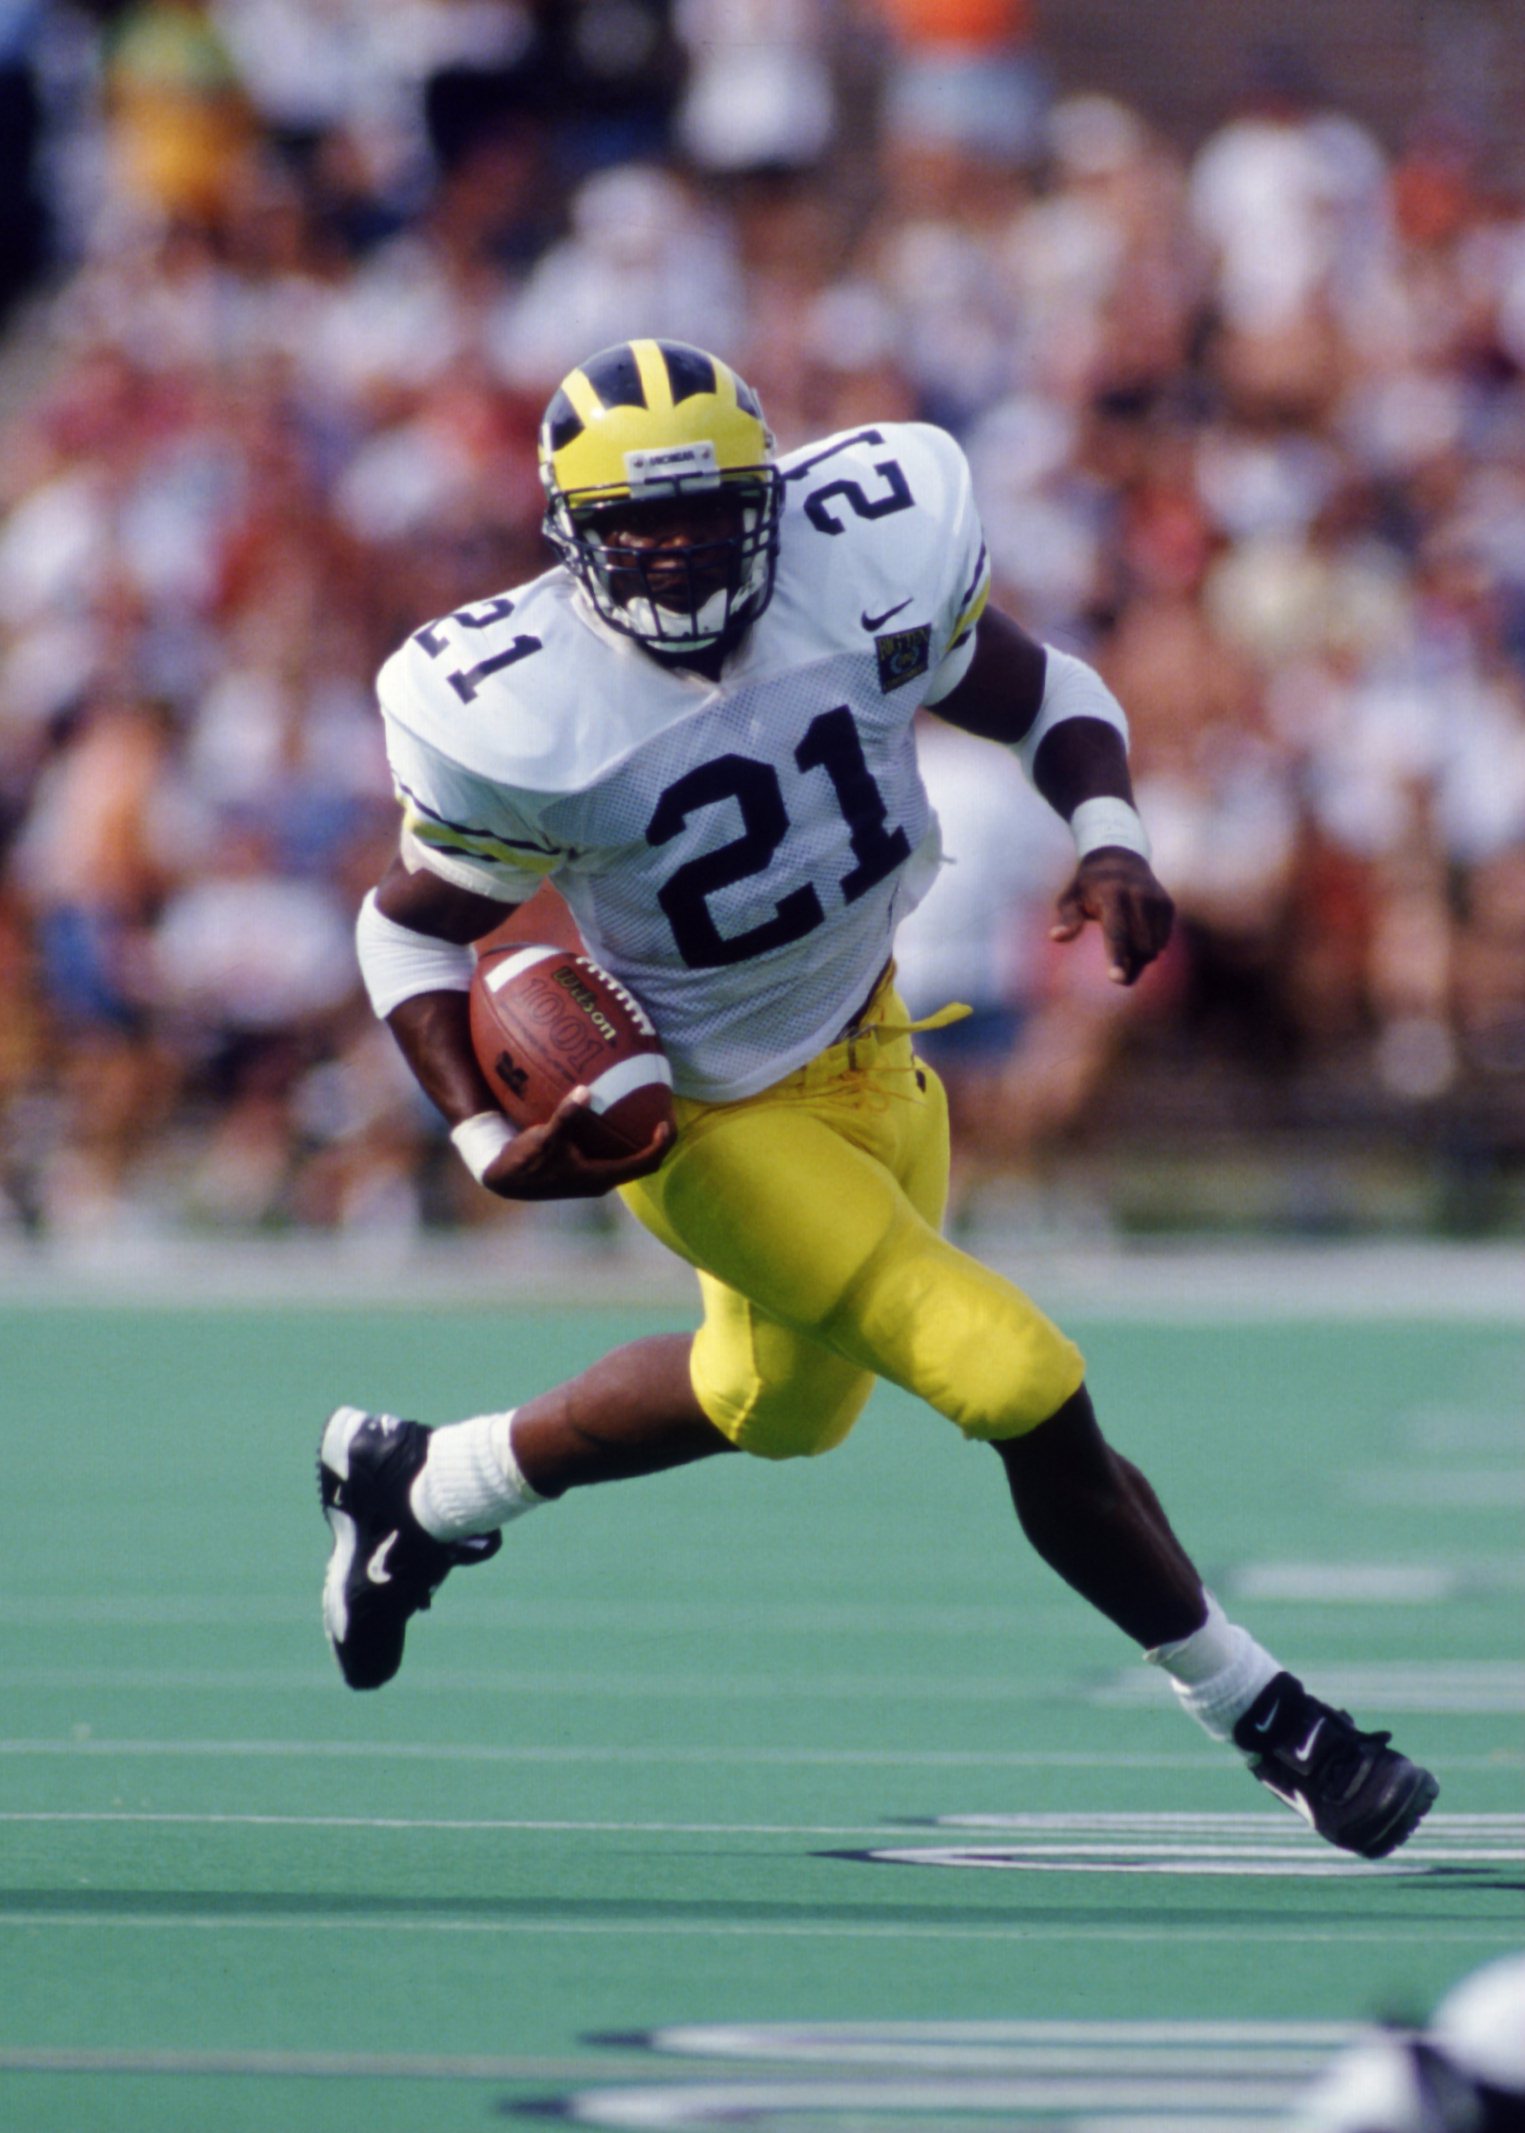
831, 746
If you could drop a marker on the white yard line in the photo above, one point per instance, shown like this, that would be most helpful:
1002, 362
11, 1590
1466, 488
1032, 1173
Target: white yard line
596, 1753
1169, 1282
1170, 1833
306, 2066
336, 1920
546, 1683
455, 1824
89, 1746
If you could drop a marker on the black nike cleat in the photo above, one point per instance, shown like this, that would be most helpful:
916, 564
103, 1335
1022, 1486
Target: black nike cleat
383, 1566
1348, 1785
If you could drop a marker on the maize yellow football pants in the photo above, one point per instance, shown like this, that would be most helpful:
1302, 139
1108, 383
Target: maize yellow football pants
811, 1213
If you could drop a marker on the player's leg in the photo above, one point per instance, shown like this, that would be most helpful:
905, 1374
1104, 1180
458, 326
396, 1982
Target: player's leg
820, 1211
756, 1376
1095, 1520
831, 1228
406, 1505
838, 1237
814, 1217
743, 1383
632, 1412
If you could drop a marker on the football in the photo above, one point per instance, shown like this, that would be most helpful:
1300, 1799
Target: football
545, 1021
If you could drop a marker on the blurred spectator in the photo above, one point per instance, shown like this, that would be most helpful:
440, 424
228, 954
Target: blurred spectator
642, 247
964, 90
249, 971
759, 93
620, 71
86, 861
307, 66
180, 121
1290, 194
90, 874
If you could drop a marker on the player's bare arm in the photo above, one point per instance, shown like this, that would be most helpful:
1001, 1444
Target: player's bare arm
1076, 761
433, 1032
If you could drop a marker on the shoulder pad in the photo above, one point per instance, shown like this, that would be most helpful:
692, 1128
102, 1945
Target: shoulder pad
881, 534
933, 472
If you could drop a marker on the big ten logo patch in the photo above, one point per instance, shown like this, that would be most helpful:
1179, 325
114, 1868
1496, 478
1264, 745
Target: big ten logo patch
903, 654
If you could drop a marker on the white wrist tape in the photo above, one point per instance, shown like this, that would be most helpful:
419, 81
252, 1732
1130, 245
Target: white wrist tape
481, 1138
397, 964
1108, 821
1071, 689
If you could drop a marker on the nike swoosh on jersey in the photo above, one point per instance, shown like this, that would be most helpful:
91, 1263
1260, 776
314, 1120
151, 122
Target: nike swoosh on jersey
874, 622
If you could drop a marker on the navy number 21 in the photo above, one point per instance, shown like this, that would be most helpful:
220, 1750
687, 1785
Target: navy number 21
831, 743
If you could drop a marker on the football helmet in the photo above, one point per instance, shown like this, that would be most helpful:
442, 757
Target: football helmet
637, 433
1463, 2073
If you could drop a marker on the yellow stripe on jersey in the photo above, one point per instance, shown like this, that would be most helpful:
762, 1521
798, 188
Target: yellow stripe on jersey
439, 836
972, 612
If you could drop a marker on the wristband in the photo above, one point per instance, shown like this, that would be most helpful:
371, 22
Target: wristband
480, 1139
1108, 821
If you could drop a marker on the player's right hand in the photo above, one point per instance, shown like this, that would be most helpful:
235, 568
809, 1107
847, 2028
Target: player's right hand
547, 1162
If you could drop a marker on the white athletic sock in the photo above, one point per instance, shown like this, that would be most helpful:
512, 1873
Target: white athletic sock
470, 1481
1218, 1671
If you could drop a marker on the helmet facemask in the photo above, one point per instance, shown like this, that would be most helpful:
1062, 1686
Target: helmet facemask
662, 497
675, 588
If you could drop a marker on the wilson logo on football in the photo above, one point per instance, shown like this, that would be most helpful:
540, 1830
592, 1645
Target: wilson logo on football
582, 997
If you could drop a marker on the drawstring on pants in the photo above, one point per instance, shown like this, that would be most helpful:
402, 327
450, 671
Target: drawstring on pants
955, 1011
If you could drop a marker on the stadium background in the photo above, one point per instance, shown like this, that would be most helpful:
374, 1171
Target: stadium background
1235, 343
1232, 323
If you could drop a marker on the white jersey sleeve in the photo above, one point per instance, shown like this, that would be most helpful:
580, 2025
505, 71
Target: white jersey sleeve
465, 826
968, 580
972, 578
904, 556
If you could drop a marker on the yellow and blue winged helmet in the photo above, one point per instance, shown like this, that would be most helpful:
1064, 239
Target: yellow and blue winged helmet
647, 422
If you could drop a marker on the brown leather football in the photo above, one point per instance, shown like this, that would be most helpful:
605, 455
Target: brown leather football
545, 1021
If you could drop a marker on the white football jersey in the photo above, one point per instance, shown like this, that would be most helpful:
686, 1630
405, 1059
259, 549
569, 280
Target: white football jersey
737, 852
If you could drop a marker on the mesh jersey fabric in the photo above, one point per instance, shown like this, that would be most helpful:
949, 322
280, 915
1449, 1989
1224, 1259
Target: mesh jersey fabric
737, 852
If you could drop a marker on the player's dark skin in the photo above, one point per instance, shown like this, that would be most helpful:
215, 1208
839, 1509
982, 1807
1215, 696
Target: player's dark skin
1087, 1511
678, 551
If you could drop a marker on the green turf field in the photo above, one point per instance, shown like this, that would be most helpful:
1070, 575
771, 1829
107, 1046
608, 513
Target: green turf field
611, 1848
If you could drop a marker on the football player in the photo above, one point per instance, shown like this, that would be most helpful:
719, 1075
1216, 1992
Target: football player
1463, 2072
699, 725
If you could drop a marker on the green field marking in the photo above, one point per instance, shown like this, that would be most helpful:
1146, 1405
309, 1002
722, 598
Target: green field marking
603, 1797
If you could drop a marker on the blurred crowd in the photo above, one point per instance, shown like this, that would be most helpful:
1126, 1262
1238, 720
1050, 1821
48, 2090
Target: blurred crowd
284, 285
